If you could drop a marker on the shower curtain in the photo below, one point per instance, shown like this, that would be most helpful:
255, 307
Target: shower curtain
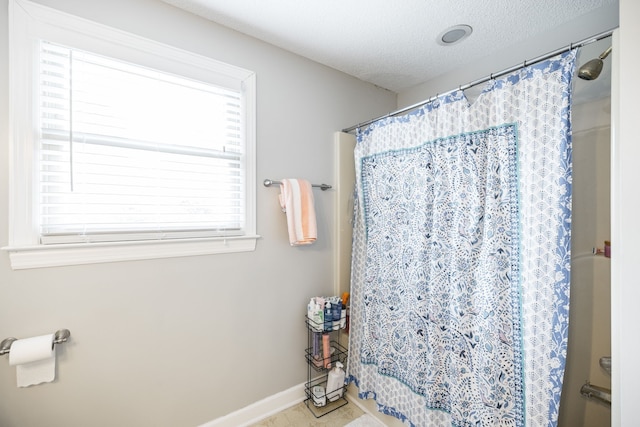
461, 254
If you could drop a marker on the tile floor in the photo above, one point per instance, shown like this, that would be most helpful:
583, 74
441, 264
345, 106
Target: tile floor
300, 416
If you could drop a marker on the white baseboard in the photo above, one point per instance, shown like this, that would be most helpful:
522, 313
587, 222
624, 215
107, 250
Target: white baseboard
369, 406
352, 396
262, 409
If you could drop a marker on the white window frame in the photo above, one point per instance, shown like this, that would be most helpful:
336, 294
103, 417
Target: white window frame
28, 24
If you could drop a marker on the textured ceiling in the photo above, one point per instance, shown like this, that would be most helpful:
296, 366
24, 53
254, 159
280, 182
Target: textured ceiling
391, 43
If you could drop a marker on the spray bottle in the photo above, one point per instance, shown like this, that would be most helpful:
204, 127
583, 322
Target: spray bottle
335, 382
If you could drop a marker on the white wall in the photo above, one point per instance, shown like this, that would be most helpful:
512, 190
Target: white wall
180, 342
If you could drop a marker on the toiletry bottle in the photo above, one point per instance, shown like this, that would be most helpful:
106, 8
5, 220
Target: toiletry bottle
345, 298
311, 312
319, 322
328, 317
335, 383
336, 308
316, 350
319, 397
326, 350
317, 319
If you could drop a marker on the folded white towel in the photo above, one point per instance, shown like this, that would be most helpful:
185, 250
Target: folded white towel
296, 199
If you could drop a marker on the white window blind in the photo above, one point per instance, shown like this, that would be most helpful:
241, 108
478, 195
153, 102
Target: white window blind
131, 153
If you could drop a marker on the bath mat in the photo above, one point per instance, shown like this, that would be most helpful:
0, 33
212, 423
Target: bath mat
365, 420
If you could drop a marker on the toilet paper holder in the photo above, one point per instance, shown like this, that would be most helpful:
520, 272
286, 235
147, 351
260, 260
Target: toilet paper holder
59, 337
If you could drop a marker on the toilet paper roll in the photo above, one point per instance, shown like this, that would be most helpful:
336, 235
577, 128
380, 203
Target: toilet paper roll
34, 359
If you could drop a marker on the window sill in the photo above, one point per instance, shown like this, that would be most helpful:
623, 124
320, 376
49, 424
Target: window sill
26, 257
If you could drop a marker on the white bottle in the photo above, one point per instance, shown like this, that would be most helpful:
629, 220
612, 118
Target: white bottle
310, 310
318, 318
335, 382
315, 318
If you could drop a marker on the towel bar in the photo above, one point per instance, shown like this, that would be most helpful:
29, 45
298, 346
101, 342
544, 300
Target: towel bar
591, 391
270, 182
60, 336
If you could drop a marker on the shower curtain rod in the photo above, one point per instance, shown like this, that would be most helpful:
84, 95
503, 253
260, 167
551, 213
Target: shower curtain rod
491, 76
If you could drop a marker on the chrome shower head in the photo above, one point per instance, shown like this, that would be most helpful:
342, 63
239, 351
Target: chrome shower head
592, 69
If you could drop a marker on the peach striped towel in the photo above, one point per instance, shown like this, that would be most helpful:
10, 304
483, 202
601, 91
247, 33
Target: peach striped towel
296, 199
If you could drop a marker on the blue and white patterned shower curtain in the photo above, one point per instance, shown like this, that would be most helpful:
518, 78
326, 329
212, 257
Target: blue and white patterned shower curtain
461, 255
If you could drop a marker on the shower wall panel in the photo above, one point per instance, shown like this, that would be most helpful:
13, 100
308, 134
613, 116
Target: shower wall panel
590, 315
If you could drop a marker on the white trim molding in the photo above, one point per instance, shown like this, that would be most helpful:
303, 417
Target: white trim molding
39, 256
31, 22
262, 409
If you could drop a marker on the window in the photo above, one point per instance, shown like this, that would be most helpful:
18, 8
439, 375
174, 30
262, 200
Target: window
124, 148
126, 152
